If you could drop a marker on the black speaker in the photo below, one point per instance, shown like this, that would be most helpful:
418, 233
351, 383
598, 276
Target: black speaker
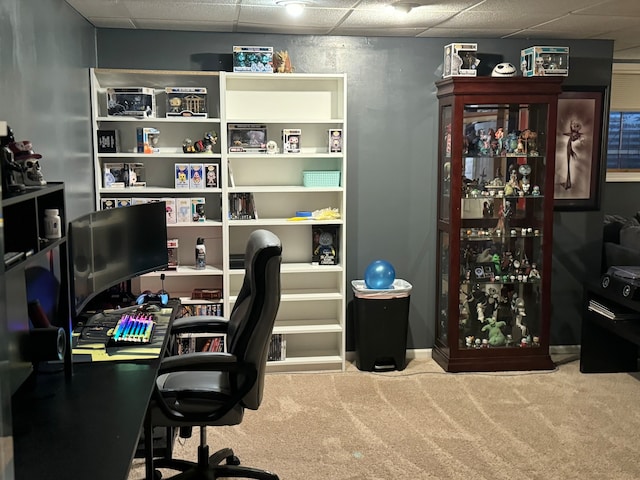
48, 343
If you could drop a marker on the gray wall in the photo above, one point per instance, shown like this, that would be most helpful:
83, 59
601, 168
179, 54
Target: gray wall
46, 49
392, 124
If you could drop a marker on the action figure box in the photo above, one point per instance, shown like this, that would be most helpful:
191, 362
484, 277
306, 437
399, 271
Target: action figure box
134, 174
107, 203
291, 140
198, 209
325, 244
170, 205
181, 175
114, 175
247, 138
172, 251
108, 141
460, 60
253, 59
212, 175
186, 101
183, 210
148, 139
335, 140
545, 61
123, 202
196, 175
131, 102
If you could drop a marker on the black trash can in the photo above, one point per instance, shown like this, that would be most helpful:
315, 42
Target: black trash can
381, 320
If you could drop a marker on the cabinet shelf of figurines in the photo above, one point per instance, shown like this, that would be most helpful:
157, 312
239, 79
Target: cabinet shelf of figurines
495, 220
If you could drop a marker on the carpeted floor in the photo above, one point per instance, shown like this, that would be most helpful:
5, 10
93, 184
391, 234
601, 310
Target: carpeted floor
422, 423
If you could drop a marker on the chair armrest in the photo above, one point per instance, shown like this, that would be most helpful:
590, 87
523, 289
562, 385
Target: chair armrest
200, 324
200, 361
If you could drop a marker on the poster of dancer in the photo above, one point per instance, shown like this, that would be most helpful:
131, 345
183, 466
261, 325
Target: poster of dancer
579, 149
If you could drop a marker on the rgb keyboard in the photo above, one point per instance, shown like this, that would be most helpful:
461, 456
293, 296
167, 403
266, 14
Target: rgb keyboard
133, 328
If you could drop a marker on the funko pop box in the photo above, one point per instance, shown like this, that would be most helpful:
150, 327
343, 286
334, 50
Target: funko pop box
545, 61
131, 102
247, 138
460, 60
253, 59
186, 101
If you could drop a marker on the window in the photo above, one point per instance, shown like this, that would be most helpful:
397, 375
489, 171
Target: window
623, 144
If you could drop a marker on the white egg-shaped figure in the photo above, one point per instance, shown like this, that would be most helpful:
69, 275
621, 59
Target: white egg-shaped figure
504, 69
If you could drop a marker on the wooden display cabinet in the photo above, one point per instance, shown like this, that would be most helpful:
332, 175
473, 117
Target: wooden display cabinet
495, 219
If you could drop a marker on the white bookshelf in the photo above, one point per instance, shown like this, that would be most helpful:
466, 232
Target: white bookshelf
313, 304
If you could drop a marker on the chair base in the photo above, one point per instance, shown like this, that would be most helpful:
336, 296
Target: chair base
210, 468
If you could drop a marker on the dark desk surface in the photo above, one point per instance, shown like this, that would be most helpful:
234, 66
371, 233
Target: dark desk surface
87, 427
84, 427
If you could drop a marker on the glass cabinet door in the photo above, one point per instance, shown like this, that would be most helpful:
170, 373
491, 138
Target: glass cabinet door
501, 227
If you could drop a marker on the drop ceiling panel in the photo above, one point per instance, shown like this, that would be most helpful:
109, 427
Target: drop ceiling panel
617, 20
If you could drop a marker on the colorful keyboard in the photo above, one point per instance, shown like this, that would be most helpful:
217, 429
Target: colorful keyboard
133, 328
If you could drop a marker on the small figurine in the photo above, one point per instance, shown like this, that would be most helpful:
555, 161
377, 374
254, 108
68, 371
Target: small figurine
27, 159
496, 337
534, 274
209, 140
282, 62
187, 146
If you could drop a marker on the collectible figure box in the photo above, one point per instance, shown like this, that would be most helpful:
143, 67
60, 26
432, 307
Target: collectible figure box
197, 209
545, 61
182, 175
114, 175
135, 175
170, 204
107, 141
148, 139
123, 202
335, 140
253, 59
172, 251
212, 177
247, 138
325, 245
131, 101
183, 210
107, 203
460, 60
186, 101
196, 175
291, 140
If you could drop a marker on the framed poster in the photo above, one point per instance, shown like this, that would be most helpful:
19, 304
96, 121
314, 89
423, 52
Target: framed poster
579, 133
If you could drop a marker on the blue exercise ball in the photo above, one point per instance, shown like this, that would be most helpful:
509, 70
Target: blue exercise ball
379, 275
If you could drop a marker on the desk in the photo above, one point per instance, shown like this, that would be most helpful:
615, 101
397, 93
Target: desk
85, 427
607, 345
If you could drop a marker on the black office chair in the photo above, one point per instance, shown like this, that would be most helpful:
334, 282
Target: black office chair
211, 389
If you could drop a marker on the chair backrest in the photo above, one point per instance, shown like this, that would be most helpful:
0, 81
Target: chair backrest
254, 312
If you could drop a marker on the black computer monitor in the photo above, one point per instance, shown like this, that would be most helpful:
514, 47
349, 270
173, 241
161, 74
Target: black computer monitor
109, 247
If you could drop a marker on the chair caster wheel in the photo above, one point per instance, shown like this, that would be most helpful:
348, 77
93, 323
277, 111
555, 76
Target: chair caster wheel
233, 460
157, 475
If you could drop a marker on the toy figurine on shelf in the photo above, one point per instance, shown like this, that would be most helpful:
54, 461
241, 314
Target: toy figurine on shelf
24, 156
282, 62
187, 146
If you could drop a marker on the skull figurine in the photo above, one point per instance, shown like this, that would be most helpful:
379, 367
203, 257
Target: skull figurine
32, 173
27, 159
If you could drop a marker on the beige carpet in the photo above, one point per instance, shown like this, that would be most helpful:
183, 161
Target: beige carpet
422, 423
